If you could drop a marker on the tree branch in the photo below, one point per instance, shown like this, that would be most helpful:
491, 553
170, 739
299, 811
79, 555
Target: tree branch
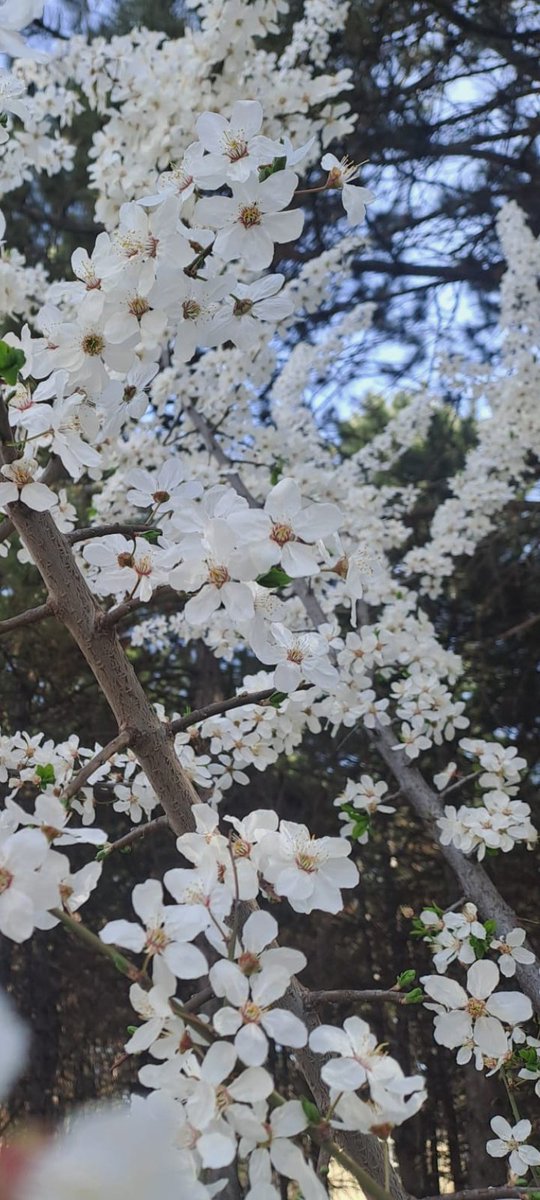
135, 835
117, 744
218, 707
127, 528
30, 617
351, 996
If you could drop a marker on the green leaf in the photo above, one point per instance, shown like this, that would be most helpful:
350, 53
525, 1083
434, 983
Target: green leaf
278, 164
361, 825
312, 1113
11, 361
151, 536
490, 926
479, 946
406, 978
277, 699
276, 472
46, 775
274, 578
131, 1029
414, 997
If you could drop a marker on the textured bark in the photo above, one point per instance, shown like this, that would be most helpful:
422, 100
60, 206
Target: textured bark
74, 605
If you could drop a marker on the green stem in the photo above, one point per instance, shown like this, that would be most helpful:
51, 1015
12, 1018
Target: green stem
127, 968
93, 942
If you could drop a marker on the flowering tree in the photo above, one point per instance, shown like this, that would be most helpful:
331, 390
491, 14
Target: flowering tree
136, 469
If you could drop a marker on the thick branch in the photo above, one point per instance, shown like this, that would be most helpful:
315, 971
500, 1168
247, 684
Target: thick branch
74, 605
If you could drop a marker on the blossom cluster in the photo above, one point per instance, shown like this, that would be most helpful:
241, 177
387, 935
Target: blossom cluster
143, 376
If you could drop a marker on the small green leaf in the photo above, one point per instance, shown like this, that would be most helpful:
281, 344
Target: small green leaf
277, 699
276, 472
414, 997
274, 578
46, 775
131, 1029
406, 978
312, 1113
152, 536
361, 825
11, 361
490, 926
479, 946
278, 164
102, 853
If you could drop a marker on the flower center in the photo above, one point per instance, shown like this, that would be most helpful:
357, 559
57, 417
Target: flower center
143, 565
21, 474
249, 963
306, 862
250, 215
241, 848
129, 393
191, 310
242, 308
235, 146
295, 655
223, 1098
125, 559
6, 879
282, 533
93, 344
251, 1013
179, 177
156, 941
129, 244
138, 306
218, 576
476, 1008
160, 497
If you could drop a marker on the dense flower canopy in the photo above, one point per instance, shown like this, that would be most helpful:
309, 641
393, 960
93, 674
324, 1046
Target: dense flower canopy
139, 380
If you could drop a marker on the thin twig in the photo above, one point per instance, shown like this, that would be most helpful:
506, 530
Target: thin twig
459, 784
350, 995
127, 528
530, 621
118, 743
126, 607
134, 835
30, 617
219, 706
